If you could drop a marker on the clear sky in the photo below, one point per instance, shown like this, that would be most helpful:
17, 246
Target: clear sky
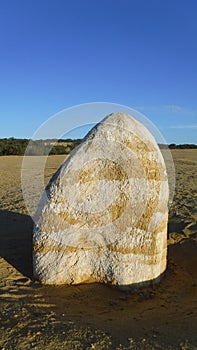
57, 53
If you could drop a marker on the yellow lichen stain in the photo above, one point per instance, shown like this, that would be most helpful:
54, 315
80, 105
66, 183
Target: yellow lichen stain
46, 248
88, 219
102, 169
153, 169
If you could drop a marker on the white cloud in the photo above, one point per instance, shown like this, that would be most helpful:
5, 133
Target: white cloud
168, 109
187, 126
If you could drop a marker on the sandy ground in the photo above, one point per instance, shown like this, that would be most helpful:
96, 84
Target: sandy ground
97, 316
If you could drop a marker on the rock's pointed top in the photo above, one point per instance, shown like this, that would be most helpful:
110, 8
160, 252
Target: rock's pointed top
124, 123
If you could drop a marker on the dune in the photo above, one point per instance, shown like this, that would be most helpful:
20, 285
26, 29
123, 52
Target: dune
97, 316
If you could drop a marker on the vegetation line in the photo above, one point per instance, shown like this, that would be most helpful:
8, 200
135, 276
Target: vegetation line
13, 146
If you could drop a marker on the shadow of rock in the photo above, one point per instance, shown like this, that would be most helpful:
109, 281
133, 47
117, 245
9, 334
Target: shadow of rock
16, 241
175, 225
184, 254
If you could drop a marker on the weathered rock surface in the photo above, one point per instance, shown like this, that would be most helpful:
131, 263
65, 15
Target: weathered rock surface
105, 219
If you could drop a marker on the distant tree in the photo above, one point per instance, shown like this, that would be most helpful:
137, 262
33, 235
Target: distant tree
58, 149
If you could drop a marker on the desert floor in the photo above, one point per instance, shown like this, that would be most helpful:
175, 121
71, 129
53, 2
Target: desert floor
97, 316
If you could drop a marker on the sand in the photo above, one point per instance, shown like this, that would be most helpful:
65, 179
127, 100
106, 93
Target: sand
97, 316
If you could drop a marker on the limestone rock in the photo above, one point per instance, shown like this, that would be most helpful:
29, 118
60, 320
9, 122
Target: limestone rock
105, 219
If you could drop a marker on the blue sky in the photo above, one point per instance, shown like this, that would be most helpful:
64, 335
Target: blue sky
55, 54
